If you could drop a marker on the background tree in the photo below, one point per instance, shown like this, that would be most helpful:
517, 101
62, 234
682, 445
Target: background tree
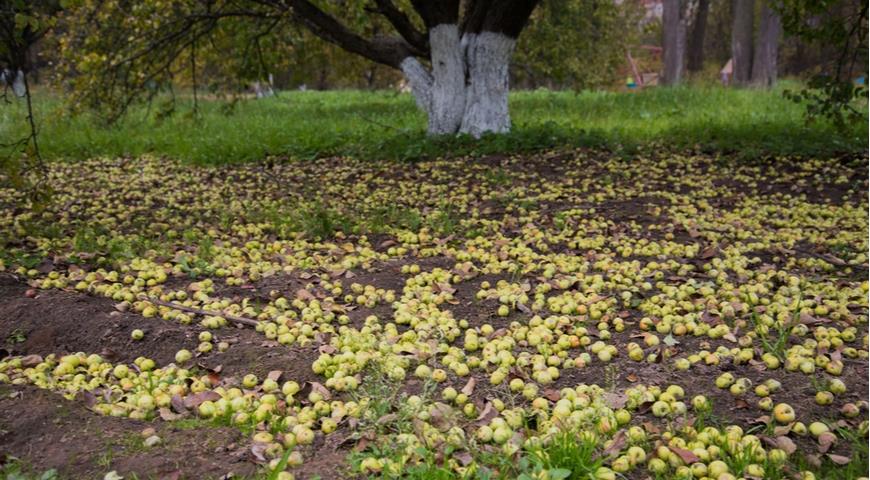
673, 40
766, 50
23, 24
839, 28
695, 60
576, 44
741, 40
456, 62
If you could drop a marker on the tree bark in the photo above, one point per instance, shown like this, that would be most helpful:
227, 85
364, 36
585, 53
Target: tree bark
465, 90
764, 61
488, 57
673, 41
699, 32
741, 41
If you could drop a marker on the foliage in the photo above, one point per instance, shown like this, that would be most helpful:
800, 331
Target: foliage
22, 25
842, 26
379, 125
576, 44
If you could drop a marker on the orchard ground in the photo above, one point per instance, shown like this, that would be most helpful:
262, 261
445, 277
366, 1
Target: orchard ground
683, 311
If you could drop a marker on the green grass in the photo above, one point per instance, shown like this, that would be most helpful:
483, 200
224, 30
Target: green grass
383, 124
12, 468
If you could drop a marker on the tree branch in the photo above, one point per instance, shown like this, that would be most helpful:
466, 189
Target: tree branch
404, 26
387, 51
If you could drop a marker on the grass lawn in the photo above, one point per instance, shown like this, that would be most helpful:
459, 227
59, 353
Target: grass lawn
387, 125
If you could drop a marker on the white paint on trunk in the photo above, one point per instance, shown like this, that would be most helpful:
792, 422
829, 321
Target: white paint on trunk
448, 73
420, 81
486, 107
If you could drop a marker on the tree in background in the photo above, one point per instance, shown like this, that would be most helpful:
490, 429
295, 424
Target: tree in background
23, 23
456, 60
741, 40
695, 62
673, 40
838, 27
576, 43
766, 50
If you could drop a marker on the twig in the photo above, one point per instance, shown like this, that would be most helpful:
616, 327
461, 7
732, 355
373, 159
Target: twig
185, 308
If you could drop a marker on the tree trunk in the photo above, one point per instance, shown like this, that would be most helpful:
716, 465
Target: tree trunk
488, 57
766, 47
699, 31
448, 80
741, 40
673, 41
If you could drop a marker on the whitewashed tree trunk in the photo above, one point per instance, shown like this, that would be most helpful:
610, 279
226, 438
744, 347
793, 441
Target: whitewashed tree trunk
488, 57
466, 90
448, 80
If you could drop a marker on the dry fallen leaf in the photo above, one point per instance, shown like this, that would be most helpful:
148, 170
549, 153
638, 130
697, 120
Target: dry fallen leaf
194, 400
826, 440
685, 455
615, 400
839, 459
616, 445
786, 444
468, 389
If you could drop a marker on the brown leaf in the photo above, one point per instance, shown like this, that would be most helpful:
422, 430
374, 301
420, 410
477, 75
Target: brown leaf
439, 416
463, 457
177, 404
687, 456
709, 252
194, 400
388, 418
808, 319
468, 389
168, 415
552, 394
258, 450
274, 375
523, 308
764, 419
826, 440
833, 259
31, 360
814, 460
740, 404
361, 445
303, 294
839, 459
615, 400
651, 427
328, 349
323, 391
786, 444
631, 377
616, 445
489, 412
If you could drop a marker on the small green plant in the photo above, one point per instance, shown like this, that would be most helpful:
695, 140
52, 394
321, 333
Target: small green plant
15, 469
570, 451
16, 336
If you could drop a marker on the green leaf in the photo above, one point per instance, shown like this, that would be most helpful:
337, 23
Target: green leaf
559, 473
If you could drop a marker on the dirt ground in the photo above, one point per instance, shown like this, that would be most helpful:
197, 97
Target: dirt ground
46, 431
